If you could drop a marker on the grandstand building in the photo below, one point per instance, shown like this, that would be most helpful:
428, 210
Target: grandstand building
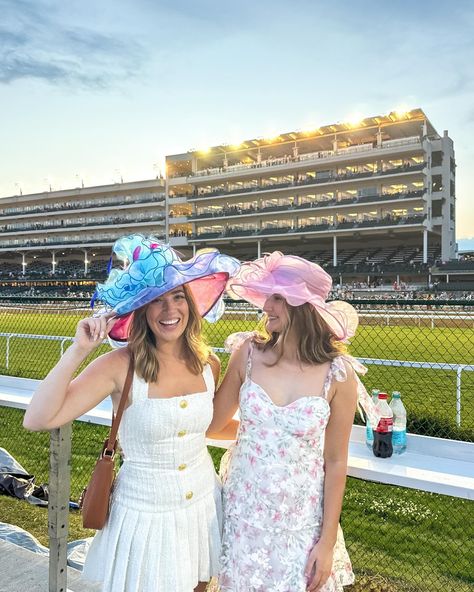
360, 198
68, 234
373, 202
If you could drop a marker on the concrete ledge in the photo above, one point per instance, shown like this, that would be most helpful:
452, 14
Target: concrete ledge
436, 465
22, 570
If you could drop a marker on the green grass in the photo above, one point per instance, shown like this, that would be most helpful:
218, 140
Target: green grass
399, 539
429, 395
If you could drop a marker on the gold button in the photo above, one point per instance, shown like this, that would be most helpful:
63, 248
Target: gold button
183, 404
182, 467
189, 495
182, 433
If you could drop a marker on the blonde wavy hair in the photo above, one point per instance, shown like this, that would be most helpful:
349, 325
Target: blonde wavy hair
142, 342
317, 343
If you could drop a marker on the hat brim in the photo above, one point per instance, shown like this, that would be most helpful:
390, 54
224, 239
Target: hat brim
341, 317
205, 292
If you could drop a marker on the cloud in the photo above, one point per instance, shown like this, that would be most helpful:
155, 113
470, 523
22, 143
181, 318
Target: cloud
35, 43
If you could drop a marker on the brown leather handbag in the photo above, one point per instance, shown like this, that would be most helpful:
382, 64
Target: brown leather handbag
95, 499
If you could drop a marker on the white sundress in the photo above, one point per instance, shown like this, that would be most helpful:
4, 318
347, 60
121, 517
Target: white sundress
163, 533
273, 487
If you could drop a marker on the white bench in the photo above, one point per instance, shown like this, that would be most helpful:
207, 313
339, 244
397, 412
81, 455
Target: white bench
430, 464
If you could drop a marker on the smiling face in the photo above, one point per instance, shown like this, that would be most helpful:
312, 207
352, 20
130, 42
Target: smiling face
168, 315
276, 309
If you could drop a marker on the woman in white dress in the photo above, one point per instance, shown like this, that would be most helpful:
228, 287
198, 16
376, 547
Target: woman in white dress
164, 525
297, 392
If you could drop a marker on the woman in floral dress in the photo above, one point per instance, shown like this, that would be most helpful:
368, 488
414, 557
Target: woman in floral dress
297, 391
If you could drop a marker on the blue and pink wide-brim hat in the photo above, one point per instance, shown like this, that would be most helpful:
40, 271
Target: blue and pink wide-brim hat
298, 281
151, 268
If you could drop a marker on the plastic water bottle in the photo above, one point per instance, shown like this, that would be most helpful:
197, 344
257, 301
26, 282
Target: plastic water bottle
399, 436
369, 431
382, 446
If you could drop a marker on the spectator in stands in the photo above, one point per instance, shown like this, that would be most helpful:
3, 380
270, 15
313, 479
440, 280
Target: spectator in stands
297, 391
163, 531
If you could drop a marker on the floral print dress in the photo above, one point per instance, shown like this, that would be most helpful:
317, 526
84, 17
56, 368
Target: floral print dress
273, 481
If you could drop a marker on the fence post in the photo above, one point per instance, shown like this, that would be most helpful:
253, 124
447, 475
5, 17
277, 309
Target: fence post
58, 507
7, 354
458, 395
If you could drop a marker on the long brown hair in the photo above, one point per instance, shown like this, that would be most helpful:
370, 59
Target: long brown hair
317, 343
142, 342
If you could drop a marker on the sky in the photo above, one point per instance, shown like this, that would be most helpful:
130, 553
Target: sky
95, 91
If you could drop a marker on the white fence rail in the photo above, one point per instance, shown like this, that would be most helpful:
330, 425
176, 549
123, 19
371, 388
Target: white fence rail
387, 316
458, 368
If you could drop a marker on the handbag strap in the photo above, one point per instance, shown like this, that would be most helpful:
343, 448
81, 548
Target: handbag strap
112, 439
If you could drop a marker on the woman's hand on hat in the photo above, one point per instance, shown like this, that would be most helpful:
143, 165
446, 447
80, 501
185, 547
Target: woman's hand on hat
91, 331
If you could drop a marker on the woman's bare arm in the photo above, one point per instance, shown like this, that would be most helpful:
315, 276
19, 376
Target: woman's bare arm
59, 399
336, 445
226, 400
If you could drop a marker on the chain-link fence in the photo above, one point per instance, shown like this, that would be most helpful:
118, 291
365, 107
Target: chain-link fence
398, 538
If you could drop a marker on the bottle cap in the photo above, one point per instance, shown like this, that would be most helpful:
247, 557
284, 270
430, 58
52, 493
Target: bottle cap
375, 392
396, 395
383, 396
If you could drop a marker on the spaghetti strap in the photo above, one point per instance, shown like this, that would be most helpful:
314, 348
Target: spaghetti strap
248, 370
328, 381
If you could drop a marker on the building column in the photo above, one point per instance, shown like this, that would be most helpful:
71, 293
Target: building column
167, 211
194, 249
425, 245
447, 278
86, 262
334, 251
259, 249
23, 263
379, 138
53, 263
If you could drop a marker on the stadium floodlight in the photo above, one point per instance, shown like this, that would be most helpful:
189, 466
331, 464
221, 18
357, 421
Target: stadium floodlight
355, 120
204, 150
310, 129
402, 111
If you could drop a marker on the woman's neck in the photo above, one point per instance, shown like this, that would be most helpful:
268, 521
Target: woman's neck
170, 351
290, 351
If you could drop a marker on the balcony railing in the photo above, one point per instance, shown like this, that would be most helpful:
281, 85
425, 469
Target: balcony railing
118, 220
290, 159
345, 224
406, 168
452, 266
235, 211
83, 205
62, 241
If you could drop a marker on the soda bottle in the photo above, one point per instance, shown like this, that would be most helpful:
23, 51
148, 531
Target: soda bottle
369, 431
399, 435
382, 446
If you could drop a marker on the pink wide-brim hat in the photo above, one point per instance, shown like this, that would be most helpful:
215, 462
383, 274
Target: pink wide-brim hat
298, 281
